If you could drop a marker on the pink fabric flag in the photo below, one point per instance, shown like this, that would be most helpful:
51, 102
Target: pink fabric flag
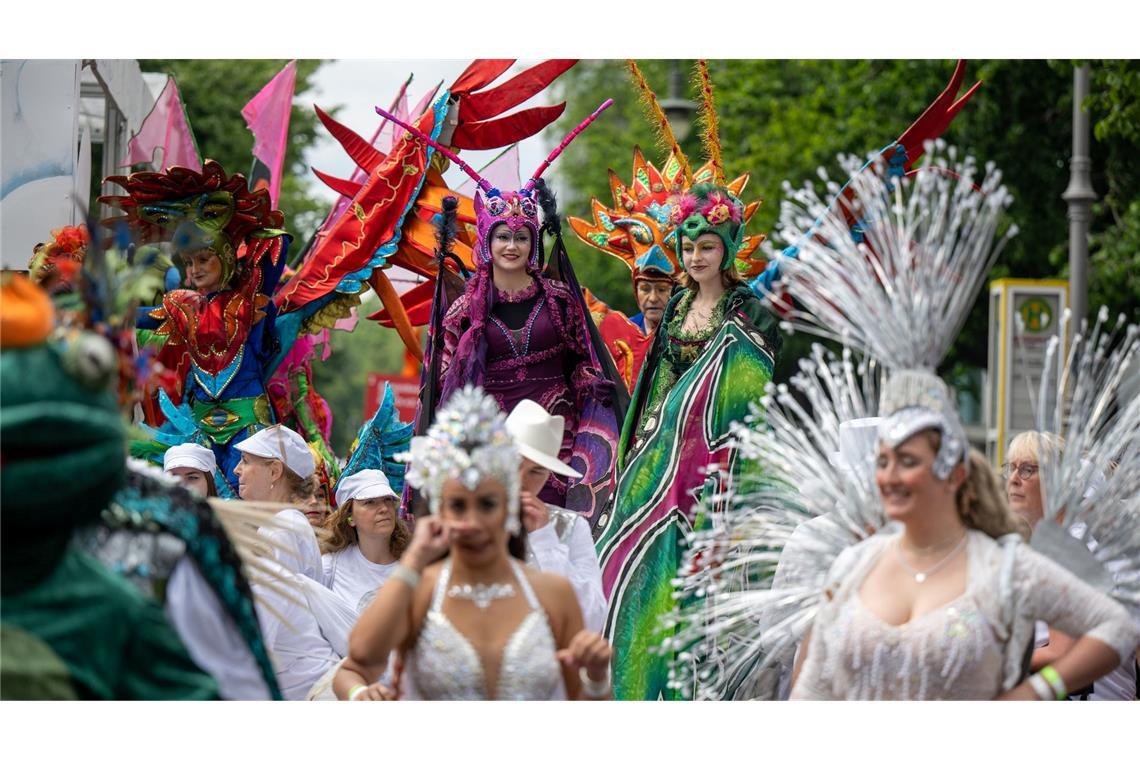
502, 171
166, 127
267, 116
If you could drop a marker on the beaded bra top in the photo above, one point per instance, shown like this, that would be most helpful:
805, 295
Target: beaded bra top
445, 666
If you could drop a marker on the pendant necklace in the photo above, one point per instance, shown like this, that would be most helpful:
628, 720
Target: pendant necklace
921, 576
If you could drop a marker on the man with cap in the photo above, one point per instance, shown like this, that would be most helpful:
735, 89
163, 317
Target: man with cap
277, 466
558, 540
194, 466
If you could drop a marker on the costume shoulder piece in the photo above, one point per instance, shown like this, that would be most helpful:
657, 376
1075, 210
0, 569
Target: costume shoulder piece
150, 525
1088, 419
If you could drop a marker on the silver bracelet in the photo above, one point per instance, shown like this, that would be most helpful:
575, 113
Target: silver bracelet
410, 577
592, 689
1041, 687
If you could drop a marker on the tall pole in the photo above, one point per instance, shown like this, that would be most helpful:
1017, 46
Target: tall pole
1080, 196
678, 110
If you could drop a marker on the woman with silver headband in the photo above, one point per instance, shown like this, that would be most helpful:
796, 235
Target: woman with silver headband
943, 608
474, 594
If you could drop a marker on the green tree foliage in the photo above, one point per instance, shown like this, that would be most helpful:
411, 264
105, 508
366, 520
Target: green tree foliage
1114, 251
781, 120
214, 92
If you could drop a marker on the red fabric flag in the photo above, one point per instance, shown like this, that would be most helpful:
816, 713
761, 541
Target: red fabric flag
166, 127
267, 116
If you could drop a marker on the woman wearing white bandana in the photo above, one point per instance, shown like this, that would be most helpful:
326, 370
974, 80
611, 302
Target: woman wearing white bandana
480, 624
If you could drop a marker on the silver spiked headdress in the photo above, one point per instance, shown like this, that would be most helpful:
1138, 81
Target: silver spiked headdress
469, 442
890, 265
1090, 485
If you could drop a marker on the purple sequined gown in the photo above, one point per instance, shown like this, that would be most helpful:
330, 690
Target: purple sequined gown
545, 359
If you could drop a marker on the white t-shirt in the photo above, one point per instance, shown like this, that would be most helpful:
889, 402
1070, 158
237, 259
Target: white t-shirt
351, 575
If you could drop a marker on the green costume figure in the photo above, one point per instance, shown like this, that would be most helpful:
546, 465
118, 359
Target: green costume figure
676, 461
62, 458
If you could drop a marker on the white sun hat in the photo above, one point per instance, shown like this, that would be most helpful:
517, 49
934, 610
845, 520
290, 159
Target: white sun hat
285, 445
538, 436
189, 455
366, 484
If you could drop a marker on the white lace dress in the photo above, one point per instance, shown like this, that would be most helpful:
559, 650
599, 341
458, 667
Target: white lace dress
443, 665
970, 648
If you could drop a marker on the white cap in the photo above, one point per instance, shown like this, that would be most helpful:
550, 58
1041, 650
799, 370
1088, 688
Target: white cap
366, 484
189, 455
284, 445
538, 436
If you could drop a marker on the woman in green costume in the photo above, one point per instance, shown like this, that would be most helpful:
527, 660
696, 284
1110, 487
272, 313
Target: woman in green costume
714, 357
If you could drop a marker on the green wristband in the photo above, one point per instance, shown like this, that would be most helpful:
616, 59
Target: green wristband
356, 690
1053, 678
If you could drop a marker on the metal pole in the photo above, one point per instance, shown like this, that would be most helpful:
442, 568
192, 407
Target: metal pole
1080, 196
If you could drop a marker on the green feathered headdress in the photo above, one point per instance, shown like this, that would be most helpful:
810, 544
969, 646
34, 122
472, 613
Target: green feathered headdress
709, 208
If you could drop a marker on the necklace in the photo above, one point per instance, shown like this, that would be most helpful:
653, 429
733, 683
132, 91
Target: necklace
926, 551
921, 576
481, 594
515, 296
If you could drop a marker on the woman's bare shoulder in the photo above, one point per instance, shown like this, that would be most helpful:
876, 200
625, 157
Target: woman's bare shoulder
548, 586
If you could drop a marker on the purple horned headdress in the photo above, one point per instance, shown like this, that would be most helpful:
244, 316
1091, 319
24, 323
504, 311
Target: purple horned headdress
493, 206
515, 208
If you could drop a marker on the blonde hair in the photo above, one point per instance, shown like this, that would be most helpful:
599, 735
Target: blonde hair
981, 500
342, 535
1035, 445
982, 503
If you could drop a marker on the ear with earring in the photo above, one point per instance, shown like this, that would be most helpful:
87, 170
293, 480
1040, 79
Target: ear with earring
349, 519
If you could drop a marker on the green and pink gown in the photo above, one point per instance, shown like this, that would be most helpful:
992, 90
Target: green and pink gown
675, 452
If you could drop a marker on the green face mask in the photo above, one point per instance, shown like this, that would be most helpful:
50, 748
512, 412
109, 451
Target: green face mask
708, 208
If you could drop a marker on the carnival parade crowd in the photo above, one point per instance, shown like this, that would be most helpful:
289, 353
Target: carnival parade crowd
585, 505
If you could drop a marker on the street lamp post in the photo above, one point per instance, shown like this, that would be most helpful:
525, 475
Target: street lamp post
677, 109
1080, 196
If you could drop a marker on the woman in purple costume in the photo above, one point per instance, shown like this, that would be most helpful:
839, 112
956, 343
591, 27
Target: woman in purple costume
522, 332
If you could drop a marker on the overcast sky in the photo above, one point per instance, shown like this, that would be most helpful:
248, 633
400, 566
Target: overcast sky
361, 85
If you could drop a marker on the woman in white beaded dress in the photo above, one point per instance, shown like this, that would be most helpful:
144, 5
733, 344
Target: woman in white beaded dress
945, 607
470, 620
919, 615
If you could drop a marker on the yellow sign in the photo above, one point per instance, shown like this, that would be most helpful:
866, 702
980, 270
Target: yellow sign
1024, 314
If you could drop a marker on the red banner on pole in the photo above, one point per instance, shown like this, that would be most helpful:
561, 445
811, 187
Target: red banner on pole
407, 390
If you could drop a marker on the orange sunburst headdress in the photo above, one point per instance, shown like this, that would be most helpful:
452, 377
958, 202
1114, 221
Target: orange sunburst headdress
638, 228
